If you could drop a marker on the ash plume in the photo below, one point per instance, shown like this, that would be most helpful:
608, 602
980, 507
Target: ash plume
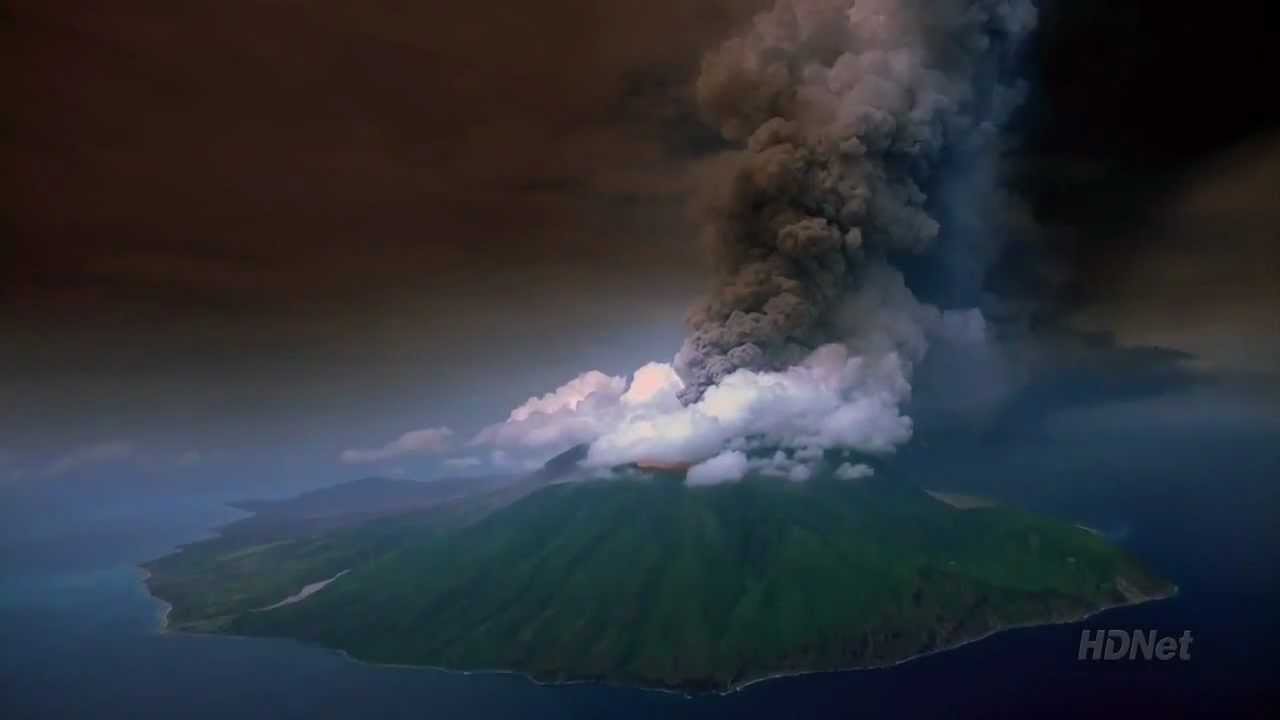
845, 112
846, 115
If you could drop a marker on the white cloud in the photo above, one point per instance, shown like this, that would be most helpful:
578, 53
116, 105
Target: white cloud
569, 396
849, 471
463, 462
416, 442
846, 395
505, 461
576, 412
728, 466
800, 473
89, 455
777, 465
830, 400
655, 385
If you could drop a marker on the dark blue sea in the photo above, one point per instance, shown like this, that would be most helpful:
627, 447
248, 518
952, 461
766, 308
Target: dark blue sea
1188, 483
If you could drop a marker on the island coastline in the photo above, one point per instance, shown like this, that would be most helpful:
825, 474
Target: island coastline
225, 625
736, 687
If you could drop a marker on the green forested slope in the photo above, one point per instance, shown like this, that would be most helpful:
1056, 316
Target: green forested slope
651, 582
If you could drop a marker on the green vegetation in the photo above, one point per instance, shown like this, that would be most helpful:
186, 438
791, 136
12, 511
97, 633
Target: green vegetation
211, 582
649, 582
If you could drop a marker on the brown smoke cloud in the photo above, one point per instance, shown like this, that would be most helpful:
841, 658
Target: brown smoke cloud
845, 112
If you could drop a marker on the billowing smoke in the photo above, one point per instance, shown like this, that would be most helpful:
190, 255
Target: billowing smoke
846, 111
841, 396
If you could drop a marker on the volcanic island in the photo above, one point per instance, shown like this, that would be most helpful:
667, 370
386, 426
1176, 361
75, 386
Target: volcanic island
640, 579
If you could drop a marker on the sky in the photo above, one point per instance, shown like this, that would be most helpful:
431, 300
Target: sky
278, 230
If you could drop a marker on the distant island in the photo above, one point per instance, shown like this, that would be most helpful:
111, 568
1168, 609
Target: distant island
641, 580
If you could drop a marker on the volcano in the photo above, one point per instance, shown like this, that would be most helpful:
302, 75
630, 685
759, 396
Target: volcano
643, 580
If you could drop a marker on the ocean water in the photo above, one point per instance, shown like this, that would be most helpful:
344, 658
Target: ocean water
1193, 494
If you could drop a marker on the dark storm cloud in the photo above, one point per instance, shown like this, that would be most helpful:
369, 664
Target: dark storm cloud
1203, 273
252, 159
222, 210
1127, 100
265, 154
219, 210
